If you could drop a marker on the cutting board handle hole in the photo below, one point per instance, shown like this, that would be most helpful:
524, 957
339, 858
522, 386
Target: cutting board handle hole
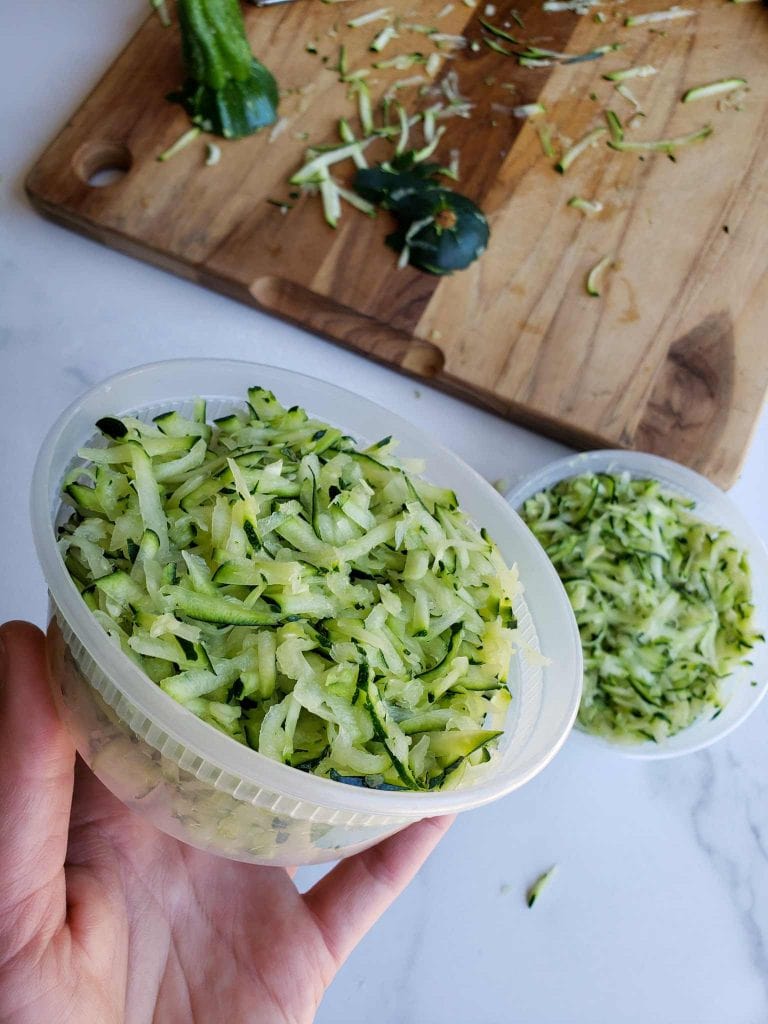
100, 164
321, 313
423, 358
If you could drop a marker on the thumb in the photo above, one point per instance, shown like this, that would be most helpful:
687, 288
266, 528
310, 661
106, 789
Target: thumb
349, 899
37, 760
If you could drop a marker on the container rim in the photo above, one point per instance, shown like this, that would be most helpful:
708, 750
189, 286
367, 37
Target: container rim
224, 753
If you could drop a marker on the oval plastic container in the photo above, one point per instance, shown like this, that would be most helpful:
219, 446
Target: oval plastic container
204, 787
713, 506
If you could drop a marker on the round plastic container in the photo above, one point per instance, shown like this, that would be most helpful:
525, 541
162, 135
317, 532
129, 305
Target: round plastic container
204, 787
713, 506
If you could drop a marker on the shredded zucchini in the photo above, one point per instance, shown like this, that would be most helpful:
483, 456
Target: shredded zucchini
497, 31
661, 145
586, 206
181, 143
701, 92
663, 601
623, 74
162, 12
313, 599
625, 92
578, 148
212, 154
380, 14
577, 6
614, 126
545, 138
383, 38
593, 283
526, 110
672, 14
534, 890
402, 62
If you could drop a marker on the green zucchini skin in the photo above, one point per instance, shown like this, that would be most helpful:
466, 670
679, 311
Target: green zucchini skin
455, 235
442, 230
227, 91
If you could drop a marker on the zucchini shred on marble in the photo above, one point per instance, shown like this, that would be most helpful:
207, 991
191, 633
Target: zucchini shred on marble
315, 600
663, 601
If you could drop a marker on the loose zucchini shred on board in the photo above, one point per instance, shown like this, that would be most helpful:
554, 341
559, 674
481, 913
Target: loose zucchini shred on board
662, 599
313, 599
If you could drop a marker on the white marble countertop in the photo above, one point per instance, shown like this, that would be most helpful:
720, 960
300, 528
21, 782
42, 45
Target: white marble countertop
659, 911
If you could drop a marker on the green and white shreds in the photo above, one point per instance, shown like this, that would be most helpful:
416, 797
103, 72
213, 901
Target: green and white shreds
317, 601
663, 601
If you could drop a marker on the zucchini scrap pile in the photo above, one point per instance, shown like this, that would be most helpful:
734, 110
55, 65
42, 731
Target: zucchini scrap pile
316, 601
662, 599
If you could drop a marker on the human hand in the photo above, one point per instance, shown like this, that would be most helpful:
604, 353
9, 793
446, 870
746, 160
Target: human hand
103, 919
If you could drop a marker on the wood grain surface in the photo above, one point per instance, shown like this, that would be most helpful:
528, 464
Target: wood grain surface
671, 358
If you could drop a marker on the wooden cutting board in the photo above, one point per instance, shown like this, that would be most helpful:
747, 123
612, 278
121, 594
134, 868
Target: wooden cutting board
672, 358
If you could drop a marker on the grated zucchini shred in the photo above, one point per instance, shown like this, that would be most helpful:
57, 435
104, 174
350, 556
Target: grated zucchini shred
662, 599
534, 890
316, 600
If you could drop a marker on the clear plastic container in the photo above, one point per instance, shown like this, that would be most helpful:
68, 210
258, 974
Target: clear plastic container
713, 506
202, 786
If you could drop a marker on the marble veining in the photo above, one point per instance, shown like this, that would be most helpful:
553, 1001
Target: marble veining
738, 855
725, 796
